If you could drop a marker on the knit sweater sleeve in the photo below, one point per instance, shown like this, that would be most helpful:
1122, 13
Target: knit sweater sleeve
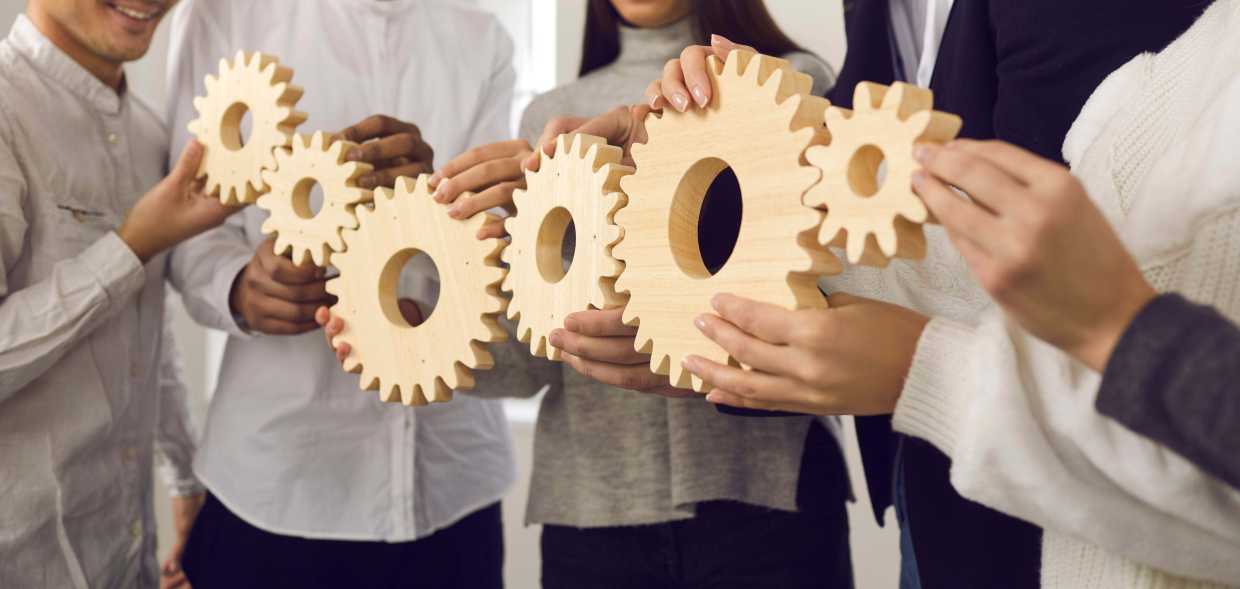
1017, 418
1173, 378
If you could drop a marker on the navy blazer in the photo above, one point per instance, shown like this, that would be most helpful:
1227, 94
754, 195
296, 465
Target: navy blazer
1020, 71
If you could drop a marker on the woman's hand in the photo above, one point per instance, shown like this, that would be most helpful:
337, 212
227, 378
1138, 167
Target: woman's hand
1036, 243
492, 172
687, 77
850, 359
599, 346
622, 126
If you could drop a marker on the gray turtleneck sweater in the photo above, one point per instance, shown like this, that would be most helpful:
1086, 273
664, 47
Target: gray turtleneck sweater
609, 457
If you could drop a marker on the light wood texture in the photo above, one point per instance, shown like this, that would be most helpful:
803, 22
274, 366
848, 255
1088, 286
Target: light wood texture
760, 121
233, 164
415, 365
300, 231
580, 184
877, 221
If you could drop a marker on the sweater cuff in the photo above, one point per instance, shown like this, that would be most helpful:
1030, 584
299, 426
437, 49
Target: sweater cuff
115, 267
934, 396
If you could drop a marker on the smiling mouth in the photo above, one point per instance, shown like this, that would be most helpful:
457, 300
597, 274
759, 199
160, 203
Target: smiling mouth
135, 14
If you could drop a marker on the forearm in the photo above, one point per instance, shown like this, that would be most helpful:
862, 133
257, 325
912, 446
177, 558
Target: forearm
1017, 418
1175, 378
42, 321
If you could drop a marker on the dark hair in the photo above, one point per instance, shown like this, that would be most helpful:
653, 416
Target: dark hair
744, 21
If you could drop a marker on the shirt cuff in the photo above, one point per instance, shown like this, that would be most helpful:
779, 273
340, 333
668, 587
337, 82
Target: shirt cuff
115, 267
934, 396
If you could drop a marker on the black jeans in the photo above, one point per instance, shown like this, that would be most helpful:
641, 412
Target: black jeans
226, 552
725, 545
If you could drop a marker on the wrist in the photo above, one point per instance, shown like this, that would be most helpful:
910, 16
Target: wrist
1097, 345
138, 242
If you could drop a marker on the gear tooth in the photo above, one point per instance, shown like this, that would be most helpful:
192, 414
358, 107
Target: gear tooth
538, 346
856, 246
836, 116
895, 96
886, 237
918, 122
829, 230
564, 145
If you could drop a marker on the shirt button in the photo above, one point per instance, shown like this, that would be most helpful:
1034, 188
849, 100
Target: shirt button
113, 138
130, 454
134, 372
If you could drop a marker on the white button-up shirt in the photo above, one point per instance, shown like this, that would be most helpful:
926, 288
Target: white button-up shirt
290, 443
87, 378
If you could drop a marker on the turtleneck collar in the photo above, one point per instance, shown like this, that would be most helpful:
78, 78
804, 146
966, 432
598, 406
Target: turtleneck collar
643, 46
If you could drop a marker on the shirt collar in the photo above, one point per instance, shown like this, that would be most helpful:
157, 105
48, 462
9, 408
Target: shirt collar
56, 64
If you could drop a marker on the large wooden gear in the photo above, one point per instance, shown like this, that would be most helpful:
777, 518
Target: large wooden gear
579, 185
760, 120
300, 231
253, 83
416, 365
876, 222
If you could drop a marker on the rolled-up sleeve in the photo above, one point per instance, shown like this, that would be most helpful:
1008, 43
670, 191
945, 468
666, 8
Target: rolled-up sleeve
40, 322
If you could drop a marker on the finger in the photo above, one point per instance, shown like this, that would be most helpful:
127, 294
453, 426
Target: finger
767, 322
612, 350
516, 148
634, 378
480, 177
747, 349
495, 196
554, 128
385, 148
283, 270
654, 95
607, 323
387, 176
492, 230
976, 176
377, 126
674, 85
693, 67
342, 352
334, 326
722, 397
311, 292
273, 326
273, 308
958, 216
1022, 164
322, 316
410, 311
614, 126
752, 385
723, 46
186, 168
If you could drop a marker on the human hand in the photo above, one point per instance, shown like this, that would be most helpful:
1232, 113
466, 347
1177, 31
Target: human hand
174, 210
601, 347
850, 359
276, 296
333, 324
686, 76
184, 512
395, 148
492, 172
1036, 243
622, 126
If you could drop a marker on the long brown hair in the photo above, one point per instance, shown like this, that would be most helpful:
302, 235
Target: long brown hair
744, 21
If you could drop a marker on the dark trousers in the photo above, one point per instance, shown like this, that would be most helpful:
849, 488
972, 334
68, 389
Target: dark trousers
226, 552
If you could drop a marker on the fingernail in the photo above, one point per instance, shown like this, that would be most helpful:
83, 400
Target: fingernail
699, 95
717, 40
354, 154
689, 364
571, 323
680, 101
921, 153
455, 212
712, 397
654, 101
700, 322
919, 178
716, 301
434, 179
555, 338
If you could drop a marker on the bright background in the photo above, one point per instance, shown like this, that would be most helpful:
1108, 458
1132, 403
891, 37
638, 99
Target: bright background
548, 38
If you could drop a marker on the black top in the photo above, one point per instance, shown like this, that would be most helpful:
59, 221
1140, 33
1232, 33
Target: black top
1174, 378
1020, 71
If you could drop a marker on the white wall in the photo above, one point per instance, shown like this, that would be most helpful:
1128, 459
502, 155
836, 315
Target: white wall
553, 38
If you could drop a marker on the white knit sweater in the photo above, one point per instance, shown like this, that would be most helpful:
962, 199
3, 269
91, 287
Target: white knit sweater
1158, 147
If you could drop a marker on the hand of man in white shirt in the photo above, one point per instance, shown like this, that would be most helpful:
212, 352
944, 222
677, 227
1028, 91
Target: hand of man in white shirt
174, 210
277, 297
394, 147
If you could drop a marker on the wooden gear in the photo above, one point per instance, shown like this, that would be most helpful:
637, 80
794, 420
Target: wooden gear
580, 184
254, 83
299, 230
760, 120
425, 363
873, 222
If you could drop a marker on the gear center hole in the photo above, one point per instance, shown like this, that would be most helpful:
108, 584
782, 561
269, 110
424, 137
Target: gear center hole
236, 126
409, 288
307, 198
867, 170
706, 217
557, 239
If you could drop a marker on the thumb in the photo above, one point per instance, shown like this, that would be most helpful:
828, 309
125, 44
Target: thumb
186, 168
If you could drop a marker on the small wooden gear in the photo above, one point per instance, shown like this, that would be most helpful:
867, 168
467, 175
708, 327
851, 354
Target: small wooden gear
416, 365
253, 83
760, 120
876, 222
298, 228
579, 185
